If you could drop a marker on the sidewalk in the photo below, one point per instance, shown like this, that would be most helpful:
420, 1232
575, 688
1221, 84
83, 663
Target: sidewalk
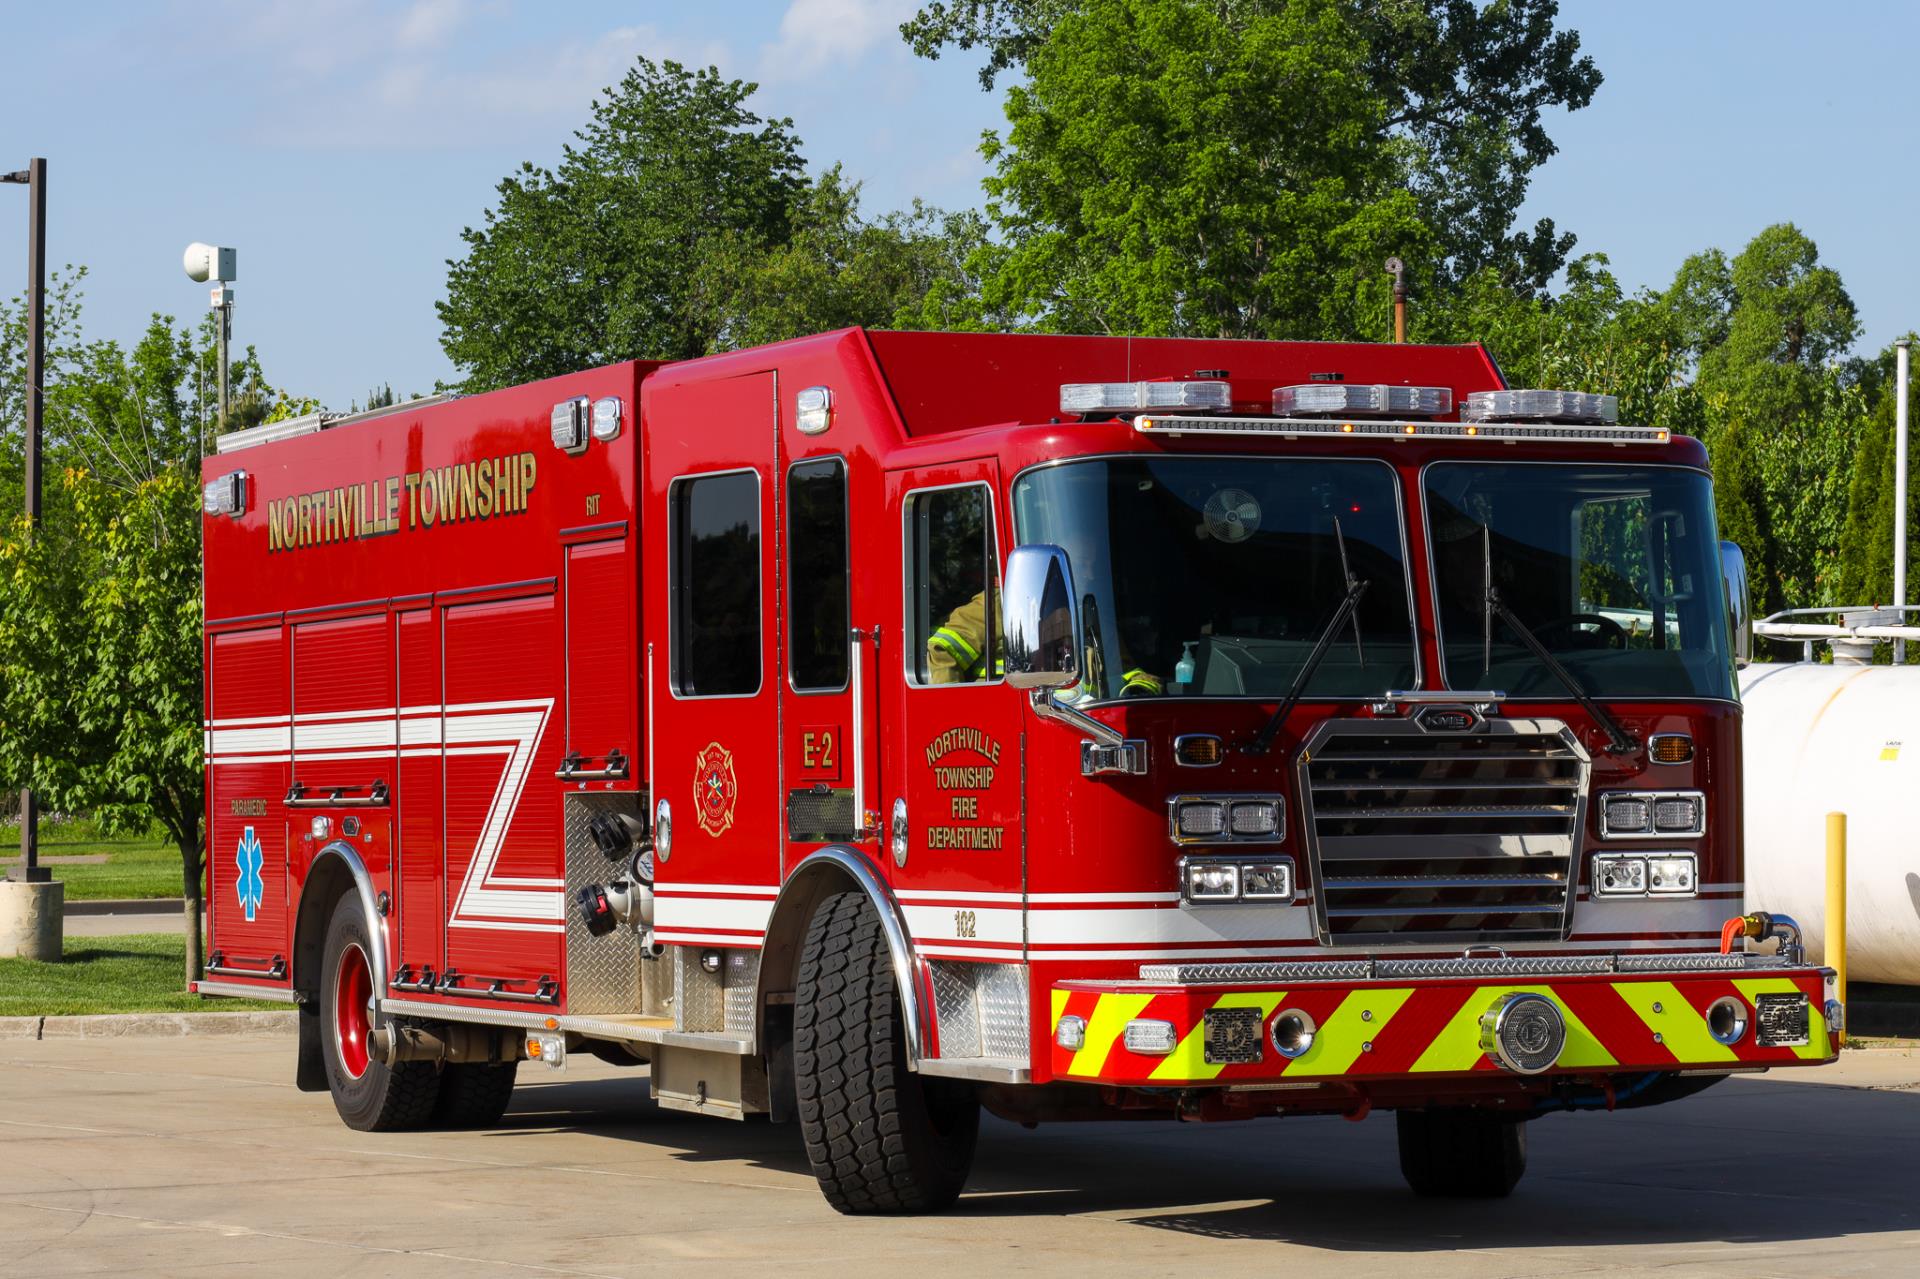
119, 918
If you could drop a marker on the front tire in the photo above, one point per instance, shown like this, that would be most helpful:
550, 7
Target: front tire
880, 1138
369, 1096
1461, 1154
474, 1094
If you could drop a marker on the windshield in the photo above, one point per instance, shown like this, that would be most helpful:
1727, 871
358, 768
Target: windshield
1614, 568
1212, 577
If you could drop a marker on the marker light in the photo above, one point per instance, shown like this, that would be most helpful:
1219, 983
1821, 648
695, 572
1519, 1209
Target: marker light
1071, 1033
568, 425
225, 495
1343, 399
549, 1049
1541, 406
321, 827
1149, 1036
813, 410
606, 419
1115, 397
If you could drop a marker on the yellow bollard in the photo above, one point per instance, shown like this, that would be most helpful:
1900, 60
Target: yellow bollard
1836, 931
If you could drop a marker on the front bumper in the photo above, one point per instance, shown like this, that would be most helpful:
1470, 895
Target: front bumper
1415, 1020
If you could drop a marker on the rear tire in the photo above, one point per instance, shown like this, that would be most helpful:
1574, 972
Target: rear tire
369, 1096
474, 1094
880, 1138
1461, 1154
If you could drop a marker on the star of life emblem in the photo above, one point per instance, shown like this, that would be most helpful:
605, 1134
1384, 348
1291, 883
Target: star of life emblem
250, 887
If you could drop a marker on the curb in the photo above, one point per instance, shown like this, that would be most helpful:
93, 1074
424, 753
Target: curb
162, 1025
128, 906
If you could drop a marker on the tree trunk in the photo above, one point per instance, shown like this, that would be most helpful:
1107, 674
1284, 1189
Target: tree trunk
190, 861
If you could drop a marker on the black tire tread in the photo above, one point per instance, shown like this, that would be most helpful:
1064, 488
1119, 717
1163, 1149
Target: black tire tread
1461, 1154
474, 1094
383, 1099
863, 1116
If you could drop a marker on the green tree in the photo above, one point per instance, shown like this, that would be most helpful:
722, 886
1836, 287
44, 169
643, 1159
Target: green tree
606, 257
100, 662
1172, 171
1866, 544
1461, 87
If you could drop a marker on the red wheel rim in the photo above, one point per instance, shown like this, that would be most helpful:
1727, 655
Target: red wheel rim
352, 994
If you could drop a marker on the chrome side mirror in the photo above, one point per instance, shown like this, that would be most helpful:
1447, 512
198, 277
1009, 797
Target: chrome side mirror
1733, 575
1040, 619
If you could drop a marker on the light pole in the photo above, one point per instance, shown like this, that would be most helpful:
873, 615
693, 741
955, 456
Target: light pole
210, 263
34, 177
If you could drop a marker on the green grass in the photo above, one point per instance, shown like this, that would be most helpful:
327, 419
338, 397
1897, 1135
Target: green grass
137, 865
135, 974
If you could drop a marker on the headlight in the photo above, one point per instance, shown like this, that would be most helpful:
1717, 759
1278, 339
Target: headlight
1228, 879
1212, 881
1226, 819
1675, 874
1653, 814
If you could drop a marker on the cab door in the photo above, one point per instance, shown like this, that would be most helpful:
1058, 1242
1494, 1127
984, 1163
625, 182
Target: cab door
957, 755
712, 627
825, 752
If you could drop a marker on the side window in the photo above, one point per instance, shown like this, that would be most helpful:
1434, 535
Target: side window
715, 526
955, 590
817, 570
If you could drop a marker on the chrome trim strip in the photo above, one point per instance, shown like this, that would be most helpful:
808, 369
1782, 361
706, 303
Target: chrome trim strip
893, 923
591, 1027
228, 990
363, 883
987, 1070
1514, 966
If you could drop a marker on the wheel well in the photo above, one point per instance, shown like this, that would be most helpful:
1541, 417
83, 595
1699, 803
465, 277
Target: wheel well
327, 882
829, 871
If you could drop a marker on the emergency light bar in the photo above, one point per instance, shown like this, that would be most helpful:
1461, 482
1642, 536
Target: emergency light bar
1342, 399
1292, 428
1541, 406
1116, 397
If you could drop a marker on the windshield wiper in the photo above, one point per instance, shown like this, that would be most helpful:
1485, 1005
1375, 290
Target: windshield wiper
1356, 587
1619, 740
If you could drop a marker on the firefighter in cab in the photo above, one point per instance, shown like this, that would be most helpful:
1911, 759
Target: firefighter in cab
957, 654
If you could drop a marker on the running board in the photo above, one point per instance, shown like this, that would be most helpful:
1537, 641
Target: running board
632, 1030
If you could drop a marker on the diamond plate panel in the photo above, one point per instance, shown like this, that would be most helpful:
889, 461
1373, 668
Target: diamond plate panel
1496, 966
1241, 974
1710, 961
1002, 997
742, 980
956, 1011
982, 1009
603, 973
699, 997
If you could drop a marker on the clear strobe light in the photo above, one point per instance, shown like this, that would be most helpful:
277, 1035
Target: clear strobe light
1117, 397
1344, 399
1541, 406
225, 495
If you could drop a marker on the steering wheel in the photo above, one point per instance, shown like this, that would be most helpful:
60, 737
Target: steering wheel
1606, 632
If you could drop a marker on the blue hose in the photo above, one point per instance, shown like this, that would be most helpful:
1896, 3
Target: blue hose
1598, 1100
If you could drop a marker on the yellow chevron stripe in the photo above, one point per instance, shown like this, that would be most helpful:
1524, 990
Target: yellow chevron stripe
1681, 1029
1109, 1020
1340, 1040
1818, 1046
1189, 1059
1060, 998
1457, 1046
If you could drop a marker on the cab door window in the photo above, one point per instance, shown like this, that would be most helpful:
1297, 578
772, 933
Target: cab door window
817, 572
715, 573
954, 594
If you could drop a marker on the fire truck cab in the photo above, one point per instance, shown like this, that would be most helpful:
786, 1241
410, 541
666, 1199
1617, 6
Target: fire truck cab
875, 727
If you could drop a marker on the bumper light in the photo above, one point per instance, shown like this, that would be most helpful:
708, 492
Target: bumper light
1071, 1033
1150, 1037
1523, 1032
1292, 1033
548, 1049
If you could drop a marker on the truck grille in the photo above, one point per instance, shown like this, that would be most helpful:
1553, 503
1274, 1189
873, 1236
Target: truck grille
1417, 836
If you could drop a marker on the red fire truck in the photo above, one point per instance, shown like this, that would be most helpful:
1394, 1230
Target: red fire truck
875, 727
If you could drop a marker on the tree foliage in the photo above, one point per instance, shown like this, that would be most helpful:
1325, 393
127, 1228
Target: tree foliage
1460, 86
606, 257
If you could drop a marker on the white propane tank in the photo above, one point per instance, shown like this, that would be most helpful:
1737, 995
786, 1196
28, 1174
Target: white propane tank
1837, 738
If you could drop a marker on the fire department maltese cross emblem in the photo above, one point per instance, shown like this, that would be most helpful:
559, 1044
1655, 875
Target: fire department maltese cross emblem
714, 788
249, 886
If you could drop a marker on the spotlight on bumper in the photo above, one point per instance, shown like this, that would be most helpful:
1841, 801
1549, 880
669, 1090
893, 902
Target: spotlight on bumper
1523, 1032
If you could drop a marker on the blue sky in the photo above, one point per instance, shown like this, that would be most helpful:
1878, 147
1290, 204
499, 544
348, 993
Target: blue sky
342, 144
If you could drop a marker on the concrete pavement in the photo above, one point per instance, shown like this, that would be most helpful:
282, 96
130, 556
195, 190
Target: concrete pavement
195, 1156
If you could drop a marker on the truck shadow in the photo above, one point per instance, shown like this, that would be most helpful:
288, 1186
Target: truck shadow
1747, 1161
